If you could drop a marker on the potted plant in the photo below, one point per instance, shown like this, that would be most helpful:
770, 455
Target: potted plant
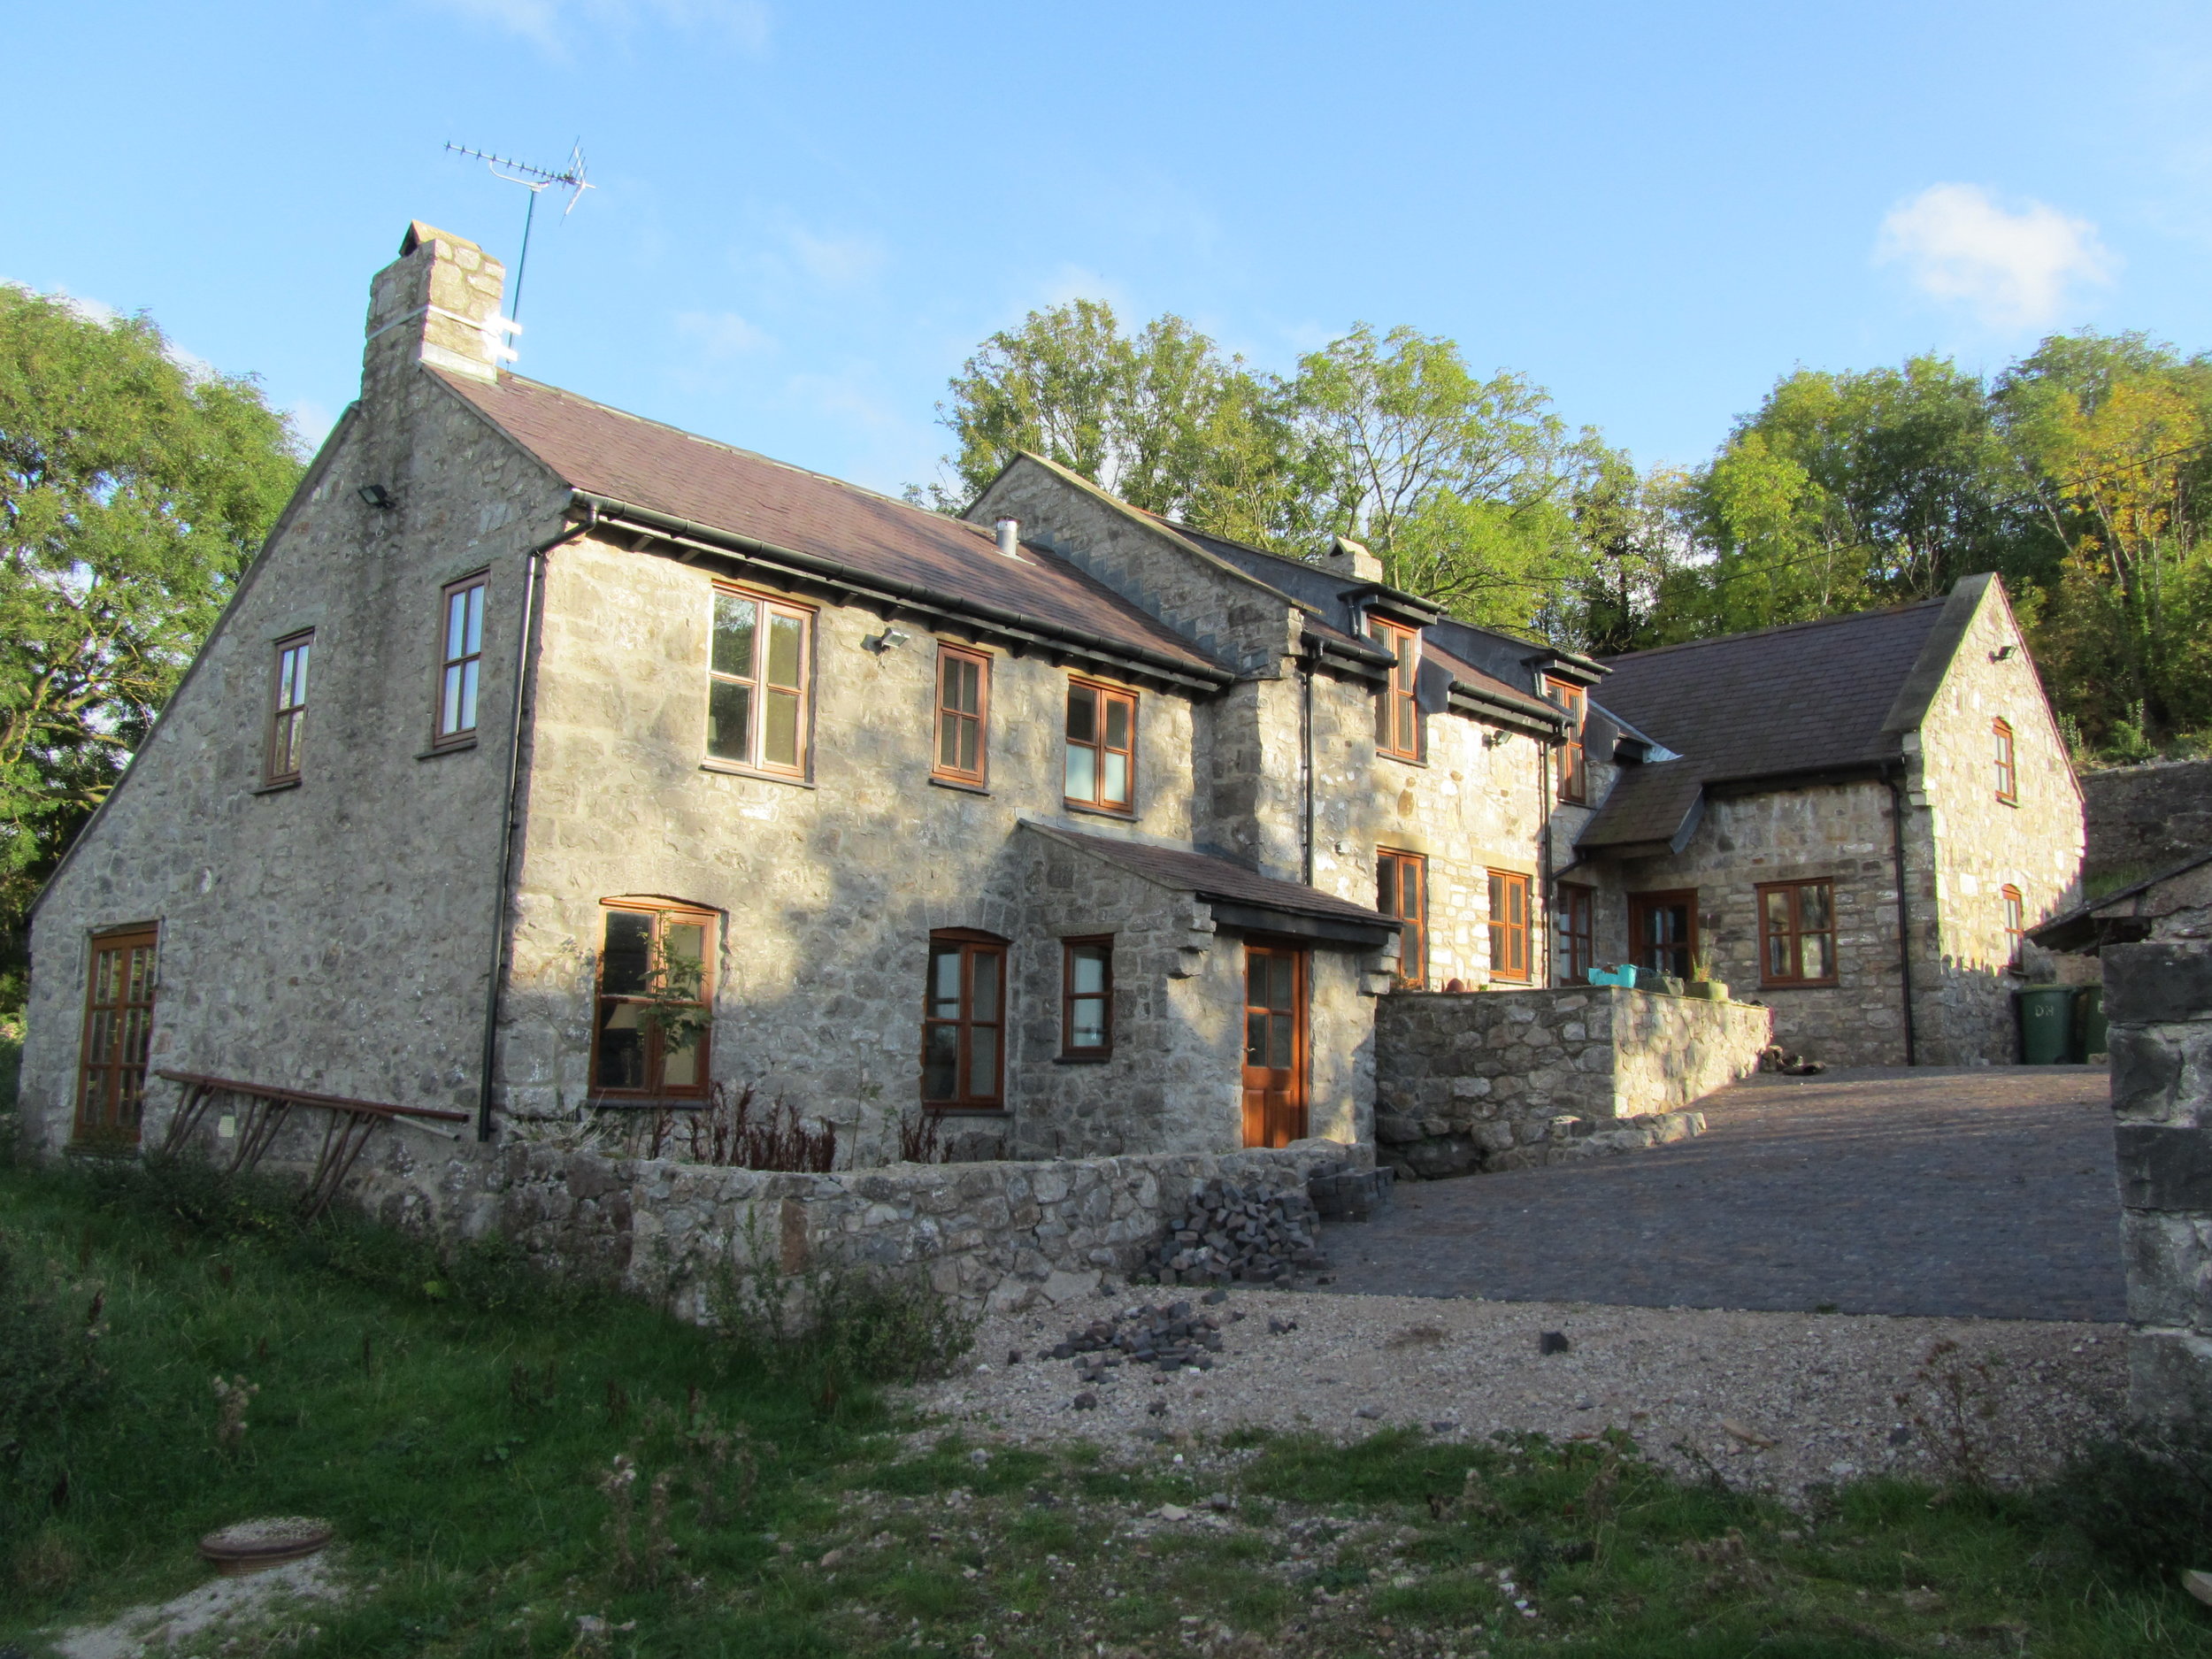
1702, 982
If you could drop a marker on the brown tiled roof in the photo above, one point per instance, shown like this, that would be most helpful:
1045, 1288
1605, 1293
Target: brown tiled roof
680, 475
1808, 696
1211, 878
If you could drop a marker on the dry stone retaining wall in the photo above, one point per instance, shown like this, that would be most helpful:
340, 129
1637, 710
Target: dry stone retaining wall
1500, 1079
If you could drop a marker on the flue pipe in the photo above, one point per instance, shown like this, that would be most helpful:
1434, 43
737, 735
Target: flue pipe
1009, 537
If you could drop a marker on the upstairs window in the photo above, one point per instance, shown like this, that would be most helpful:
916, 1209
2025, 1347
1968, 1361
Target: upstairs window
963, 700
2008, 774
650, 1039
2015, 926
757, 676
1508, 925
1578, 938
1574, 786
1087, 999
461, 668
1101, 764
1397, 715
964, 1021
1797, 932
288, 709
1401, 889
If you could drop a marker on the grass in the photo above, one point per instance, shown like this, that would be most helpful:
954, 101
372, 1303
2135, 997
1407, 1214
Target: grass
462, 1427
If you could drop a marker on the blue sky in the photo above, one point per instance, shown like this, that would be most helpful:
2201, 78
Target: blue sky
808, 216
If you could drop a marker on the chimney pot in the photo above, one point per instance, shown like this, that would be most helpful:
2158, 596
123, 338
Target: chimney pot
1350, 558
1009, 537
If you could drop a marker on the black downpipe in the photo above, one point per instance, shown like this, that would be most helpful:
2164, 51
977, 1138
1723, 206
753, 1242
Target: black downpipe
1305, 761
1904, 910
540, 558
1544, 875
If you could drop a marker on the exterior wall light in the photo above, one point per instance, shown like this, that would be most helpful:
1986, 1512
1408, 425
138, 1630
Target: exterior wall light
376, 495
890, 639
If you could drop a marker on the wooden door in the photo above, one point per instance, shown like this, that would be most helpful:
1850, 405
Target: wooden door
119, 1023
1663, 930
1275, 980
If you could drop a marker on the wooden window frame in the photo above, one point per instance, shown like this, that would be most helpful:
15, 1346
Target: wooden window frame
2007, 762
1640, 904
768, 608
1070, 1050
1505, 932
2016, 905
970, 943
460, 684
1577, 914
1392, 867
1106, 696
656, 1087
1397, 707
1574, 760
1796, 933
290, 672
951, 719
121, 1064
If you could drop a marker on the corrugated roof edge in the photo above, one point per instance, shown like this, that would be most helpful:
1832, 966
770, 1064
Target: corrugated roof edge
2084, 913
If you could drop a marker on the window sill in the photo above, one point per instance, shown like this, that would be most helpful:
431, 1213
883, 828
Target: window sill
278, 788
962, 784
2008, 800
730, 769
1404, 760
1122, 815
1081, 1059
944, 1110
1800, 985
437, 750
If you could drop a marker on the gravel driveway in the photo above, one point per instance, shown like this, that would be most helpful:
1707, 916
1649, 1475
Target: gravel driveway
1985, 1192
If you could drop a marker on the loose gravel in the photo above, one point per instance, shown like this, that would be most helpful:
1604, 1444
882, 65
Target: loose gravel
1771, 1402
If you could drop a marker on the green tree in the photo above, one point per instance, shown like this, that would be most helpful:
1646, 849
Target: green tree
1464, 487
132, 493
2113, 434
1164, 419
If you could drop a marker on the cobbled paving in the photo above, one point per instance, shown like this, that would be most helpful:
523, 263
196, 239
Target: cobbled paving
1984, 1192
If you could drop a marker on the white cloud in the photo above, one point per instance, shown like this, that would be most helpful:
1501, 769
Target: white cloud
553, 26
2013, 270
840, 261
721, 334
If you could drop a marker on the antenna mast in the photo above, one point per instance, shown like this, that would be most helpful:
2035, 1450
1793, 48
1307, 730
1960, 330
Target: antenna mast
533, 179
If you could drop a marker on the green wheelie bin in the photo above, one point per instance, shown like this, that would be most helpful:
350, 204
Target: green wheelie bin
2046, 1025
2089, 1026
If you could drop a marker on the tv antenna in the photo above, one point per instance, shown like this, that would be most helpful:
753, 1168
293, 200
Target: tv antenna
536, 180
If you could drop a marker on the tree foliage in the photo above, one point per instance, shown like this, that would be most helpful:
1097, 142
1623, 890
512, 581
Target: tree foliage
132, 493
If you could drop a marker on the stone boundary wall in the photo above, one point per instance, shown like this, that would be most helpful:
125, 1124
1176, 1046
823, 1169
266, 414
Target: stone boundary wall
1500, 1079
2158, 997
991, 1237
2142, 818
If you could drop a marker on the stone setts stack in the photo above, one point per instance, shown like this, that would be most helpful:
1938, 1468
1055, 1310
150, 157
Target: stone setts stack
1168, 1337
2158, 997
1504, 1079
1236, 1232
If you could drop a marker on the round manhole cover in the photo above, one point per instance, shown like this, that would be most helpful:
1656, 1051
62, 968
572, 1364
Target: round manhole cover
251, 1545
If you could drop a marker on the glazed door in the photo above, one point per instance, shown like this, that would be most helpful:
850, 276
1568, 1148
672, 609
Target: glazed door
1274, 1045
1663, 930
119, 1022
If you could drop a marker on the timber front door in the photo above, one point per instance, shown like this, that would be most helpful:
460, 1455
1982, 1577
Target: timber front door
118, 1021
1663, 930
1274, 1045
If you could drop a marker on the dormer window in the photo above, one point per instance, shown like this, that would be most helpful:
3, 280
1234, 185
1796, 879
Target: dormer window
1574, 702
1397, 715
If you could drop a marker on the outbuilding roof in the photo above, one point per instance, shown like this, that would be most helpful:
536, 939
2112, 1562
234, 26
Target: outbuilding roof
1209, 877
1802, 699
678, 475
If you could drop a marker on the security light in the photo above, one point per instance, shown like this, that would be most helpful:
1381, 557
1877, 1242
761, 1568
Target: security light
376, 495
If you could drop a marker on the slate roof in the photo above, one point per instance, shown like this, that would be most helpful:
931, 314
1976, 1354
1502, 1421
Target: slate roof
662, 470
1211, 878
1807, 696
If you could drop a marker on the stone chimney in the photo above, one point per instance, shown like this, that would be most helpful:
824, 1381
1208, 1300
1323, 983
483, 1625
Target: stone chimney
1353, 562
437, 303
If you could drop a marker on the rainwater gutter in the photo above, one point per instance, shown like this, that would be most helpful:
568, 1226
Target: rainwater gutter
538, 561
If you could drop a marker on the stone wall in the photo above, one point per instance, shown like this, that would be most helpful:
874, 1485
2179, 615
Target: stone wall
2159, 1000
1499, 1080
1002, 1235
2143, 818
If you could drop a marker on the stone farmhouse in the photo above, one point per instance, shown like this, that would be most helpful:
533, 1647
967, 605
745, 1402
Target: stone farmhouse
549, 760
